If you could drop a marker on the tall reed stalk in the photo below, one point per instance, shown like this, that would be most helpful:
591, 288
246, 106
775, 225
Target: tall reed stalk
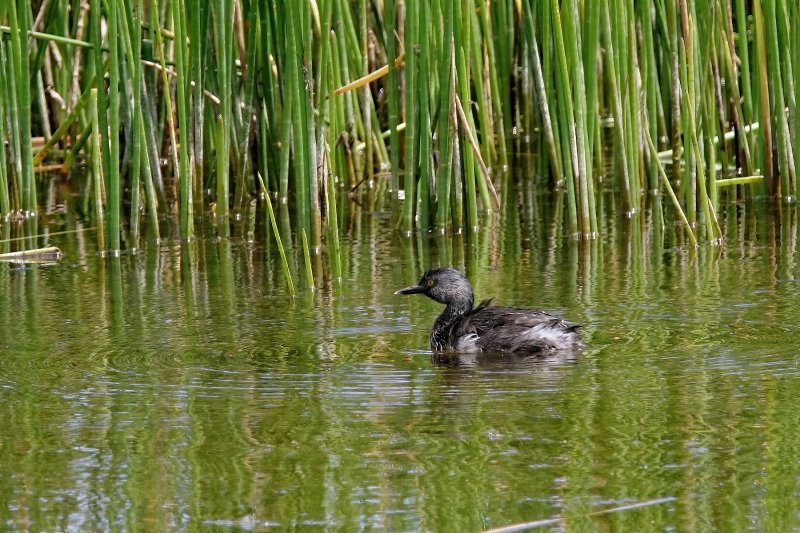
311, 93
19, 74
5, 189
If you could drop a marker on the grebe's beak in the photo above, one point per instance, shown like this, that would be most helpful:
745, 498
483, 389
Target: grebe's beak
414, 289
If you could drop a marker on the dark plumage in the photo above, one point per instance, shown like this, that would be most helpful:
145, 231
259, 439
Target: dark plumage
462, 328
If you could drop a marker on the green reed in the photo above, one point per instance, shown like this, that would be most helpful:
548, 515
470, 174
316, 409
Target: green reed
287, 88
131, 32
97, 167
182, 100
284, 262
307, 260
5, 193
114, 187
412, 106
446, 126
20, 109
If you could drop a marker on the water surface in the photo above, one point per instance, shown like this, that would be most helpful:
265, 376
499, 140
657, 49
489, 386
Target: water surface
182, 388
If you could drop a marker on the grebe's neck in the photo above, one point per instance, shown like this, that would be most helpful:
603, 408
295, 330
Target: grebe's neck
442, 327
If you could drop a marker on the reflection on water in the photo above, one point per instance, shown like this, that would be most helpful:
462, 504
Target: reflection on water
182, 388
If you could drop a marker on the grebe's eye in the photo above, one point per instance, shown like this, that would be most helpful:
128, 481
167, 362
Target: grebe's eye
429, 283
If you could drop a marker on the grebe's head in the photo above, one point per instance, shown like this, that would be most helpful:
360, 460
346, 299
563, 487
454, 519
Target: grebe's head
445, 285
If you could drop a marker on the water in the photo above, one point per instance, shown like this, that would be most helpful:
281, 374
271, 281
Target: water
183, 389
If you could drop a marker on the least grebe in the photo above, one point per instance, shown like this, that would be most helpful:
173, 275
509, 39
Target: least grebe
487, 328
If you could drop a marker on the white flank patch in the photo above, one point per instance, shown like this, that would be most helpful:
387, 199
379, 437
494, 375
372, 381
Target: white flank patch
468, 343
554, 336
